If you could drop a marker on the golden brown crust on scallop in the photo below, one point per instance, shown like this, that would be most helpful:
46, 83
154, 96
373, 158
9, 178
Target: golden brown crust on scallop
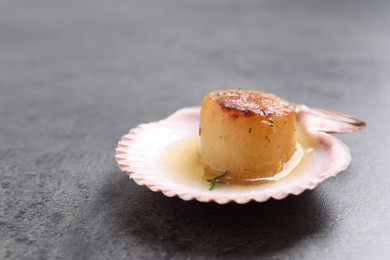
250, 103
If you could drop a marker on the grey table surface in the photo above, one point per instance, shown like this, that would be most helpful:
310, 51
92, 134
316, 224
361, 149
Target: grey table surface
77, 75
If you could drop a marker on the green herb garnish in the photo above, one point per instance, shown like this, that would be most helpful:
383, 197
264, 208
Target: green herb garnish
214, 181
271, 122
200, 131
250, 130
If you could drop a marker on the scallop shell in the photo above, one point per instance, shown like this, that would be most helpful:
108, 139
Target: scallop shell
137, 154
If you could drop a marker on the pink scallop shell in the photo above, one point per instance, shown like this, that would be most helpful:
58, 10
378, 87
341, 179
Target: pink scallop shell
136, 155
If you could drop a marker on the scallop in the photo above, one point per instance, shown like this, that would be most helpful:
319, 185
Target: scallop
165, 156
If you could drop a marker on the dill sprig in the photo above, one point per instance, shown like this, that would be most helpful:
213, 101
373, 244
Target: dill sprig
216, 180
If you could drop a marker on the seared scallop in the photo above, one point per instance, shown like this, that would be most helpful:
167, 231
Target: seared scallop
250, 134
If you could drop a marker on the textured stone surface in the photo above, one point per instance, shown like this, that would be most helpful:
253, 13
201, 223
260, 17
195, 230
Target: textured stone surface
76, 75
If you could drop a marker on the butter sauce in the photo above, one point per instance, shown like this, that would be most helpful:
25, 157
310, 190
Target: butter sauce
180, 162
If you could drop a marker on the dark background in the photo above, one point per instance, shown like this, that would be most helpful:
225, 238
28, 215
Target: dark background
77, 75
